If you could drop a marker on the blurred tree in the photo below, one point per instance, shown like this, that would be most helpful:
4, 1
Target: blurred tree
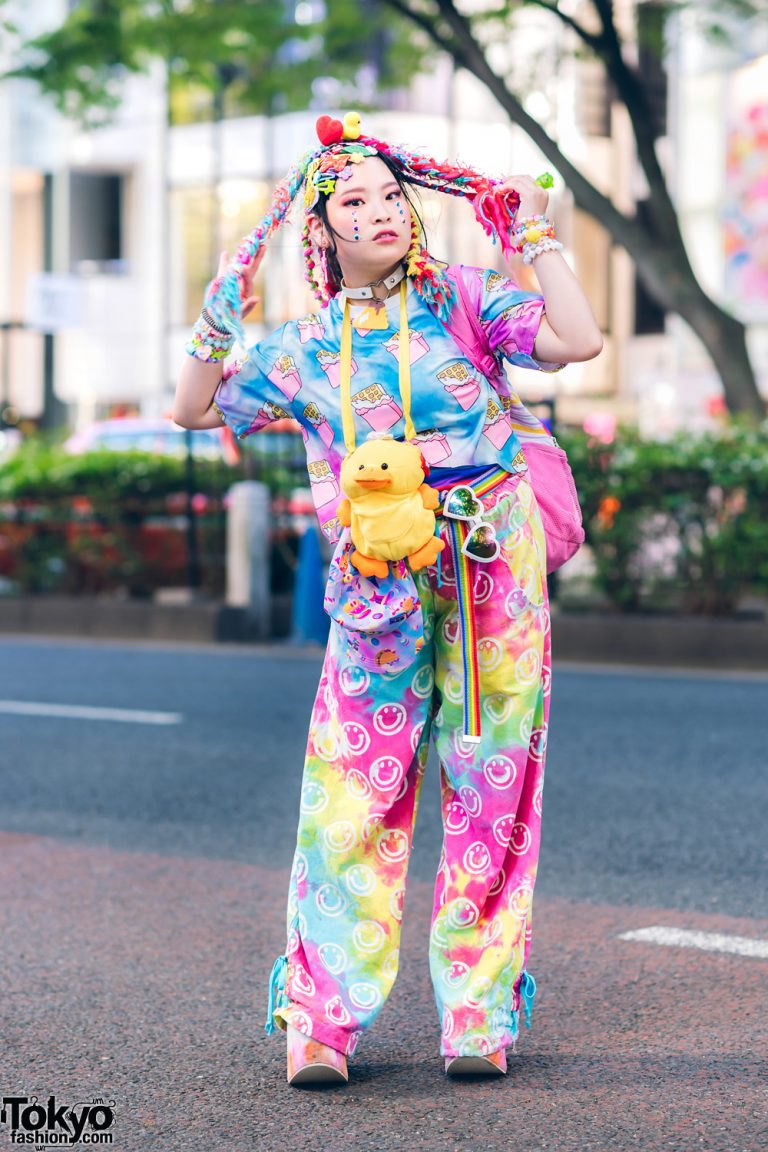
278, 54
273, 53
633, 66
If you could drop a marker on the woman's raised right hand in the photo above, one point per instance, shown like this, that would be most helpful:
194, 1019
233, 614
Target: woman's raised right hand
246, 277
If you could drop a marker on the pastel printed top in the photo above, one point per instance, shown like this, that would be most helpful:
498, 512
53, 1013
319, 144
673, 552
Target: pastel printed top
460, 419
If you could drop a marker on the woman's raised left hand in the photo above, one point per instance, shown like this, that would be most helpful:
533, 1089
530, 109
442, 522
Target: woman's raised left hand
533, 198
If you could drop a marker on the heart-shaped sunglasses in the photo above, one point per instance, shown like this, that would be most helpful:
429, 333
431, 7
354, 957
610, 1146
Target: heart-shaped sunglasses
481, 544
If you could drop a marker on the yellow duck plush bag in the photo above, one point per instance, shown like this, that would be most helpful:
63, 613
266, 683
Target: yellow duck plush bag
388, 507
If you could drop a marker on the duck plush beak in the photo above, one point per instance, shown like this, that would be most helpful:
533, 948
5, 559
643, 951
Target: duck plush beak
373, 482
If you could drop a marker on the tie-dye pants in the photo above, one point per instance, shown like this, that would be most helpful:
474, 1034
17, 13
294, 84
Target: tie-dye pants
366, 755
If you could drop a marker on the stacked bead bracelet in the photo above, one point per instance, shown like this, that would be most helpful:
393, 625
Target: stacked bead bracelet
209, 343
535, 235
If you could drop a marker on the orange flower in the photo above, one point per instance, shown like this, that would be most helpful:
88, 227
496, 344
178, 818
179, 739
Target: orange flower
606, 513
82, 505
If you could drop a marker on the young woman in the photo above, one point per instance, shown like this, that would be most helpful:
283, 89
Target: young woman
378, 358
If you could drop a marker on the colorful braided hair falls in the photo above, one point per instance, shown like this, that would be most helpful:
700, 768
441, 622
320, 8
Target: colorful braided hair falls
318, 171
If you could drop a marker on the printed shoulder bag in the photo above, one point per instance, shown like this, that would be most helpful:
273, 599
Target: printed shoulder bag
548, 468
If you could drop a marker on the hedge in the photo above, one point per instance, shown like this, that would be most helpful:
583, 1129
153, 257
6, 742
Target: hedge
680, 524
116, 522
676, 525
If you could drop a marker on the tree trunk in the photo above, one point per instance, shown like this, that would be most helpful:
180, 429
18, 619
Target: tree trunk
658, 251
725, 339
668, 276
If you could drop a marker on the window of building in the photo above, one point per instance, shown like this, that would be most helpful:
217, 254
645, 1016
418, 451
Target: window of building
649, 316
591, 245
651, 19
593, 98
189, 102
208, 221
95, 218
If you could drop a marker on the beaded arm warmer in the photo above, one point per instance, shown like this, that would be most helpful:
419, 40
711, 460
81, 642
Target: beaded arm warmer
208, 342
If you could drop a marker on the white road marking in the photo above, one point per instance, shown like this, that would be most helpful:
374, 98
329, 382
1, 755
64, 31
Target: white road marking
82, 712
706, 941
657, 671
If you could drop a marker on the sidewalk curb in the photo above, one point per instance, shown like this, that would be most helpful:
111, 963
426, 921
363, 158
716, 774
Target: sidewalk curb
93, 617
706, 642
602, 638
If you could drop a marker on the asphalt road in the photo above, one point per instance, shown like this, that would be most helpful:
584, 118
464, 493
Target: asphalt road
143, 871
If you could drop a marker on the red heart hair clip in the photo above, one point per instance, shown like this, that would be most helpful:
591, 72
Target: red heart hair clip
329, 131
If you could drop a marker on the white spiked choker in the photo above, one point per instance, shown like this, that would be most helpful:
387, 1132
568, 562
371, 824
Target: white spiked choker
366, 292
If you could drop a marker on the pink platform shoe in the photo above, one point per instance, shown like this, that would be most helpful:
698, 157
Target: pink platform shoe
310, 1062
493, 1065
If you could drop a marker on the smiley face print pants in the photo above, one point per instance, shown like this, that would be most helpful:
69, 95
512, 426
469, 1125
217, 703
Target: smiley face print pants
366, 756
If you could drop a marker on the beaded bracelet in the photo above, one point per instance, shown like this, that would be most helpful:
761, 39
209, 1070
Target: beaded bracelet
534, 235
209, 343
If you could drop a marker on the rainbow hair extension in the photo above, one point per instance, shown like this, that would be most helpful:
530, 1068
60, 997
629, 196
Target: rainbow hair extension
495, 213
225, 295
320, 290
318, 170
429, 280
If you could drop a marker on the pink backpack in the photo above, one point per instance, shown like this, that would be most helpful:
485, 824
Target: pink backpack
548, 469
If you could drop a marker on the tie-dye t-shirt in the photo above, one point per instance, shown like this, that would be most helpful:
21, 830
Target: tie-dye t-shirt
461, 420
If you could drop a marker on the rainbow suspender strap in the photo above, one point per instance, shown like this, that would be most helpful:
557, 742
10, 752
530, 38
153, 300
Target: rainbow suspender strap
463, 568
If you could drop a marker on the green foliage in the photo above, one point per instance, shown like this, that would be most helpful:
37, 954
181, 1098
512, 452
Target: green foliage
40, 471
726, 23
265, 60
673, 525
107, 522
104, 521
679, 524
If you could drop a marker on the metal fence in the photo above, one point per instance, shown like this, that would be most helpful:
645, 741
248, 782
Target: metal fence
136, 544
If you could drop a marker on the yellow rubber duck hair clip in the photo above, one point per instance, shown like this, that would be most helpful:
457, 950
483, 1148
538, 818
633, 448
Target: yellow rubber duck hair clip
351, 126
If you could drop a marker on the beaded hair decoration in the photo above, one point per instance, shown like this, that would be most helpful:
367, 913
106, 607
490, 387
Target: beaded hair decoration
343, 146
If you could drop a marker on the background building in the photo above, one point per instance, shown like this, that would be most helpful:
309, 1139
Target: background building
719, 157
126, 222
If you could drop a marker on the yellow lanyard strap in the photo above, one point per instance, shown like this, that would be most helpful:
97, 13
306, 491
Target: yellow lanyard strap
404, 363
404, 372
